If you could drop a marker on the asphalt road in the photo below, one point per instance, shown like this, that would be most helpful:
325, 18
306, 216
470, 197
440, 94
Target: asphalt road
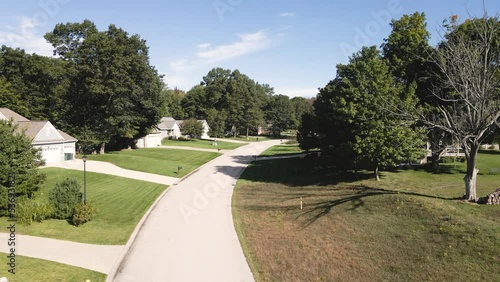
190, 235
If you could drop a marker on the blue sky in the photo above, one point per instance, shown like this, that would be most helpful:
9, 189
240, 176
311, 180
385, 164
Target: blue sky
293, 45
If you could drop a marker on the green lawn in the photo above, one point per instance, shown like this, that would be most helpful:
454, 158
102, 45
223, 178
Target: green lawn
408, 227
204, 144
121, 202
157, 160
252, 138
31, 269
282, 150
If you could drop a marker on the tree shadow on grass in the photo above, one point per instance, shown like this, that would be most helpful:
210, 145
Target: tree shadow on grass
356, 200
297, 172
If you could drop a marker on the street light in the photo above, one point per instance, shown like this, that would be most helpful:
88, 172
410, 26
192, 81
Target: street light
84, 158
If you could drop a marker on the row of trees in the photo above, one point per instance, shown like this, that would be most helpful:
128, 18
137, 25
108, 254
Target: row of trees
101, 89
385, 103
233, 103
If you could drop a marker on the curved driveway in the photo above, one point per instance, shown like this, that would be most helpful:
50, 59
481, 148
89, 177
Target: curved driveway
190, 235
109, 168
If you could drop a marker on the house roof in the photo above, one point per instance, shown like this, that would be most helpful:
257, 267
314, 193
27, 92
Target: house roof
167, 123
66, 136
9, 114
33, 128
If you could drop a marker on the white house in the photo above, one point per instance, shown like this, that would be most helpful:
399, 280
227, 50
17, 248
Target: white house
150, 141
169, 128
55, 144
206, 128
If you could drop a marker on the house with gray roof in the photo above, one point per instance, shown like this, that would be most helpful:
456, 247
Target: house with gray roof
55, 144
169, 128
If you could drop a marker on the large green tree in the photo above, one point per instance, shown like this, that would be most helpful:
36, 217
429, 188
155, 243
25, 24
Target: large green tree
229, 100
280, 114
353, 122
300, 107
115, 93
19, 163
408, 54
173, 103
40, 84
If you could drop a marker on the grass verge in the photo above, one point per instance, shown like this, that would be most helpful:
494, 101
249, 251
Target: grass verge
282, 150
203, 144
158, 160
121, 202
31, 269
408, 227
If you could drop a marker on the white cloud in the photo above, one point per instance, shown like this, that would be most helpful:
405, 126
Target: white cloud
204, 46
248, 43
297, 92
25, 36
180, 65
187, 71
287, 14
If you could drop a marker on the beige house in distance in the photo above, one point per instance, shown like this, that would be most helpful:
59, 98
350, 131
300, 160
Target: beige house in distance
55, 144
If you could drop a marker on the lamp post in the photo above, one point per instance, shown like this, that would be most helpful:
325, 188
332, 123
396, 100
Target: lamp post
84, 158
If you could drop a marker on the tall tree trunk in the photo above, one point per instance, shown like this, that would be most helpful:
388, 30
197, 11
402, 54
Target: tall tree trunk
101, 151
376, 173
247, 132
471, 175
435, 161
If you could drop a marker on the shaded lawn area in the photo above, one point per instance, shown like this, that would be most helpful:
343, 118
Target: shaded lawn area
31, 269
282, 150
121, 202
408, 227
157, 160
204, 144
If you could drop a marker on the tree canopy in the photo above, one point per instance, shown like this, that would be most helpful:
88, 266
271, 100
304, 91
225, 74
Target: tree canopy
115, 92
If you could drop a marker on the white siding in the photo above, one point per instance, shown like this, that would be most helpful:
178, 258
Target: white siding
48, 133
52, 153
150, 141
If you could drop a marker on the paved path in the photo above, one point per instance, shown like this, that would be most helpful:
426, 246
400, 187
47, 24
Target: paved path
109, 168
95, 257
190, 235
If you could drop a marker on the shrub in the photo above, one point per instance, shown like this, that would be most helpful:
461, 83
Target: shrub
64, 197
29, 210
83, 213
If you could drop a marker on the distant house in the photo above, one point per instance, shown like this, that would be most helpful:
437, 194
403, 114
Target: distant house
55, 144
150, 141
206, 128
452, 151
169, 128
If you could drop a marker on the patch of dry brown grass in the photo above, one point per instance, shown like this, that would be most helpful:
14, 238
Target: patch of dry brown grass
361, 230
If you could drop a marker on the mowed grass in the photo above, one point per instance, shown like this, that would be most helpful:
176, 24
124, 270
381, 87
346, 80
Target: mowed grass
282, 150
121, 202
203, 144
31, 269
157, 160
408, 227
252, 138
